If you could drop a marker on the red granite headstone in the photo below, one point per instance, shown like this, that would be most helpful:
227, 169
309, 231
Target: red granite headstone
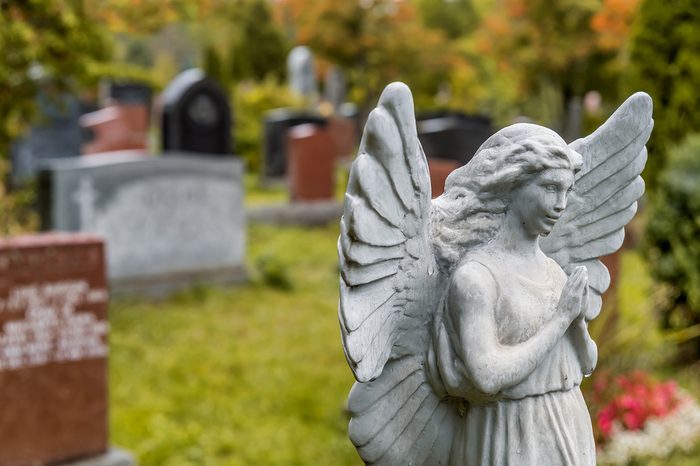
439, 170
53, 349
311, 163
117, 127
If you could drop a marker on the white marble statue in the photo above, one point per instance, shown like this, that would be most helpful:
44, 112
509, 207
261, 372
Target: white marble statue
464, 318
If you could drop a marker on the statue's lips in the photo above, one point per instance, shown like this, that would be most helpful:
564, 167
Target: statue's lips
552, 219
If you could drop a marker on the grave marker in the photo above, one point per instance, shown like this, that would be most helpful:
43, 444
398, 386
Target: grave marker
196, 116
53, 349
168, 222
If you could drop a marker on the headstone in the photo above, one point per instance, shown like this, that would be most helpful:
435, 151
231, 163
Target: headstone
335, 87
168, 222
301, 72
311, 163
344, 135
196, 115
127, 93
439, 171
117, 127
277, 123
453, 135
53, 349
57, 134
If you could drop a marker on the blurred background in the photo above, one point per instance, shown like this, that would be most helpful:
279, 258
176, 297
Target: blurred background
254, 374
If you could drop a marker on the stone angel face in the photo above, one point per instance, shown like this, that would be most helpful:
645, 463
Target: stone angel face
464, 318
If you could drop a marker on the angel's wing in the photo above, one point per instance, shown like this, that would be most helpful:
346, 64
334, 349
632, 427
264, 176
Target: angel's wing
389, 290
605, 195
386, 262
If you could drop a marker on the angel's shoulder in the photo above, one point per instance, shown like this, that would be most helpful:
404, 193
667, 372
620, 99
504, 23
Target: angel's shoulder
473, 279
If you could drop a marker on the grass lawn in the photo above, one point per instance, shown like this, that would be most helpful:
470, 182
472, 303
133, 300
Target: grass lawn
255, 374
250, 375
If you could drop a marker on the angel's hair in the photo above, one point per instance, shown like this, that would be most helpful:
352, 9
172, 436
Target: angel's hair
477, 195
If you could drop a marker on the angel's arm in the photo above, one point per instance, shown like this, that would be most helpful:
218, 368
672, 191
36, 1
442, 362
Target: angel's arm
491, 365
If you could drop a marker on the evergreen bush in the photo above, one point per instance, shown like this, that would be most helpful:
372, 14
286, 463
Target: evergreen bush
673, 237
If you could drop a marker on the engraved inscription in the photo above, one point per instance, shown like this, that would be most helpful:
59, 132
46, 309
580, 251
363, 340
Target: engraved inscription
53, 329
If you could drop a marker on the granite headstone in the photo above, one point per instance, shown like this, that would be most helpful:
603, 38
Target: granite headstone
311, 163
57, 134
277, 123
168, 221
454, 136
196, 115
301, 72
53, 349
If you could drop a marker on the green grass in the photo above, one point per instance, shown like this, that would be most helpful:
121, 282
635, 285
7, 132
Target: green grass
251, 375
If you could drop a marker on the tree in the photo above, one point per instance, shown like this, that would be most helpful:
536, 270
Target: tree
665, 62
673, 237
47, 45
560, 48
374, 41
455, 18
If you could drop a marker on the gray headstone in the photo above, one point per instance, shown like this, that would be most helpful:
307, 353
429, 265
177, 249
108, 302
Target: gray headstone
167, 221
301, 71
335, 87
56, 135
196, 115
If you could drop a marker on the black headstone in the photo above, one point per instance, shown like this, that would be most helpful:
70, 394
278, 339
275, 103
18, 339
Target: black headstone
277, 123
127, 93
196, 115
454, 136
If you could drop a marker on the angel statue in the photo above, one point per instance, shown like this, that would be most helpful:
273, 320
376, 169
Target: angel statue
464, 318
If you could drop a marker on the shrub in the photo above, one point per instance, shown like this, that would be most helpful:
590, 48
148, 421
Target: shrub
673, 237
251, 101
664, 62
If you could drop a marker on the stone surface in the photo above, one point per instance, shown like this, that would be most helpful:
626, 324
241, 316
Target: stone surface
301, 72
277, 123
127, 93
311, 164
335, 87
439, 171
53, 348
56, 135
344, 135
114, 457
167, 221
195, 115
117, 127
465, 318
297, 213
453, 136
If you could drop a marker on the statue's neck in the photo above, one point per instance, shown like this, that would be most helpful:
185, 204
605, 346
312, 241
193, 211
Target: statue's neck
512, 238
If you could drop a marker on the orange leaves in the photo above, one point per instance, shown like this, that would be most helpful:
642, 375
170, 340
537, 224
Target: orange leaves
612, 23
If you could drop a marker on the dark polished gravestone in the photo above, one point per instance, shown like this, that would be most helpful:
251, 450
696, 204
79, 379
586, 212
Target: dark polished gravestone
453, 136
53, 349
195, 115
277, 124
168, 222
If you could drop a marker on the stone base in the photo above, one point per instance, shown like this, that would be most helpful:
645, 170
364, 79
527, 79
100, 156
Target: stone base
114, 457
163, 285
297, 213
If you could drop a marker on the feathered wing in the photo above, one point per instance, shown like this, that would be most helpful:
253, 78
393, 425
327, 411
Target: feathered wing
388, 289
605, 195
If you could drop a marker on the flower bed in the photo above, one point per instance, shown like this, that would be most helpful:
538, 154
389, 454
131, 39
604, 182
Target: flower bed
636, 417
